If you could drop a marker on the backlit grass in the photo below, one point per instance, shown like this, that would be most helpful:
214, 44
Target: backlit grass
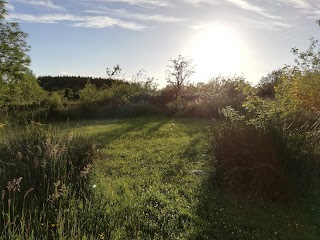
154, 181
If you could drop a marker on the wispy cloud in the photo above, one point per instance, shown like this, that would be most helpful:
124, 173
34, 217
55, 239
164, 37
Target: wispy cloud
242, 4
268, 25
304, 4
103, 22
137, 16
251, 7
79, 21
41, 3
53, 18
197, 2
143, 3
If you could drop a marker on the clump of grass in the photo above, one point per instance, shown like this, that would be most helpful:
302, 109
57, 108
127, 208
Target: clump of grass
274, 164
246, 161
44, 175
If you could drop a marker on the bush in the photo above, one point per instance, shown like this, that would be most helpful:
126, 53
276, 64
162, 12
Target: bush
267, 156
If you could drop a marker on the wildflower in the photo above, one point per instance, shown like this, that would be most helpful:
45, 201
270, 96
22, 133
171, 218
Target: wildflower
14, 184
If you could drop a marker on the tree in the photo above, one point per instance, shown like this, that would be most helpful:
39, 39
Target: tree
18, 86
14, 61
114, 73
310, 59
267, 84
178, 72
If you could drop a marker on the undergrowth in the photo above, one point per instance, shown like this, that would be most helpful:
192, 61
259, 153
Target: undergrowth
45, 184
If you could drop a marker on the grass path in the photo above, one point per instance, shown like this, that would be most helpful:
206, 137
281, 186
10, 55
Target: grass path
155, 180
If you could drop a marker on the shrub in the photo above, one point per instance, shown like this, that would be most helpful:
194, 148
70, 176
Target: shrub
267, 155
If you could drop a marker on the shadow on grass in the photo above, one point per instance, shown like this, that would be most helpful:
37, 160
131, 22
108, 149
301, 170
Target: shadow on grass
225, 215
143, 128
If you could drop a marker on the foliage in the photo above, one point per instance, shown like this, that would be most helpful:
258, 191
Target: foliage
207, 99
17, 84
54, 101
299, 91
140, 90
75, 83
310, 59
14, 61
267, 84
286, 126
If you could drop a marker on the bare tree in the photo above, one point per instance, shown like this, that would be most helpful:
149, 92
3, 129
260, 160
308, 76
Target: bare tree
114, 72
178, 72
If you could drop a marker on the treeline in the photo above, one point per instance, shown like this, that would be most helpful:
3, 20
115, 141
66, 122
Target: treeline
74, 83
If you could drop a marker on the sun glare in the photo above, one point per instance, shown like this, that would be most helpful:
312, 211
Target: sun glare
216, 50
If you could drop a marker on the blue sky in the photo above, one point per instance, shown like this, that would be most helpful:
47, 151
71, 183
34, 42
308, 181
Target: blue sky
84, 37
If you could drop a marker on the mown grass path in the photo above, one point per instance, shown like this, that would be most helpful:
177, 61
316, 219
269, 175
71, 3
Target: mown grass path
155, 178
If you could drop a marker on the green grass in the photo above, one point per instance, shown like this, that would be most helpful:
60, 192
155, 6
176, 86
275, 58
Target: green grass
148, 182
154, 181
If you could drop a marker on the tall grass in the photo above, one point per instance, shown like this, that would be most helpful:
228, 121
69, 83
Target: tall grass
275, 164
45, 183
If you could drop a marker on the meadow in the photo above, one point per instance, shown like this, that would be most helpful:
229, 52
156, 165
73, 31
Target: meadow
153, 179
118, 158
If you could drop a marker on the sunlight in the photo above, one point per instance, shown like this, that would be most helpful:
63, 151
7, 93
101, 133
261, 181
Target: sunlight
216, 50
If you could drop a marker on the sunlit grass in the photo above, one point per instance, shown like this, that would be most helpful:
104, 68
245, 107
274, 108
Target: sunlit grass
154, 182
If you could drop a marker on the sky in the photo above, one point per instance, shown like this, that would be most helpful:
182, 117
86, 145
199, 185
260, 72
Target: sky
220, 37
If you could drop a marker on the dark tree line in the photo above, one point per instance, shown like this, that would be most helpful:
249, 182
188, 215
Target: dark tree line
56, 83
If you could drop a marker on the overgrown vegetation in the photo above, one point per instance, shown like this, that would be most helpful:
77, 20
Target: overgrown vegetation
154, 182
158, 178
45, 183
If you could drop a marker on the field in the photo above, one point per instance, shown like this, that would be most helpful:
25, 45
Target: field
157, 184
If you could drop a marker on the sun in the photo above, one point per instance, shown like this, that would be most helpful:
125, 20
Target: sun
216, 50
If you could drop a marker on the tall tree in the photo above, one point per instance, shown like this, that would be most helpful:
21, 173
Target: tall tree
178, 72
14, 60
18, 86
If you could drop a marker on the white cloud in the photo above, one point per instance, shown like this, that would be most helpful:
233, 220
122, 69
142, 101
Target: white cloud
103, 22
144, 3
53, 18
197, 2
294, 3
41, 3
242, 4
253, 8
81, 21
269, 25
142, 17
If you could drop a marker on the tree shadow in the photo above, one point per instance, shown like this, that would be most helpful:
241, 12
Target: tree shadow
141, 127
